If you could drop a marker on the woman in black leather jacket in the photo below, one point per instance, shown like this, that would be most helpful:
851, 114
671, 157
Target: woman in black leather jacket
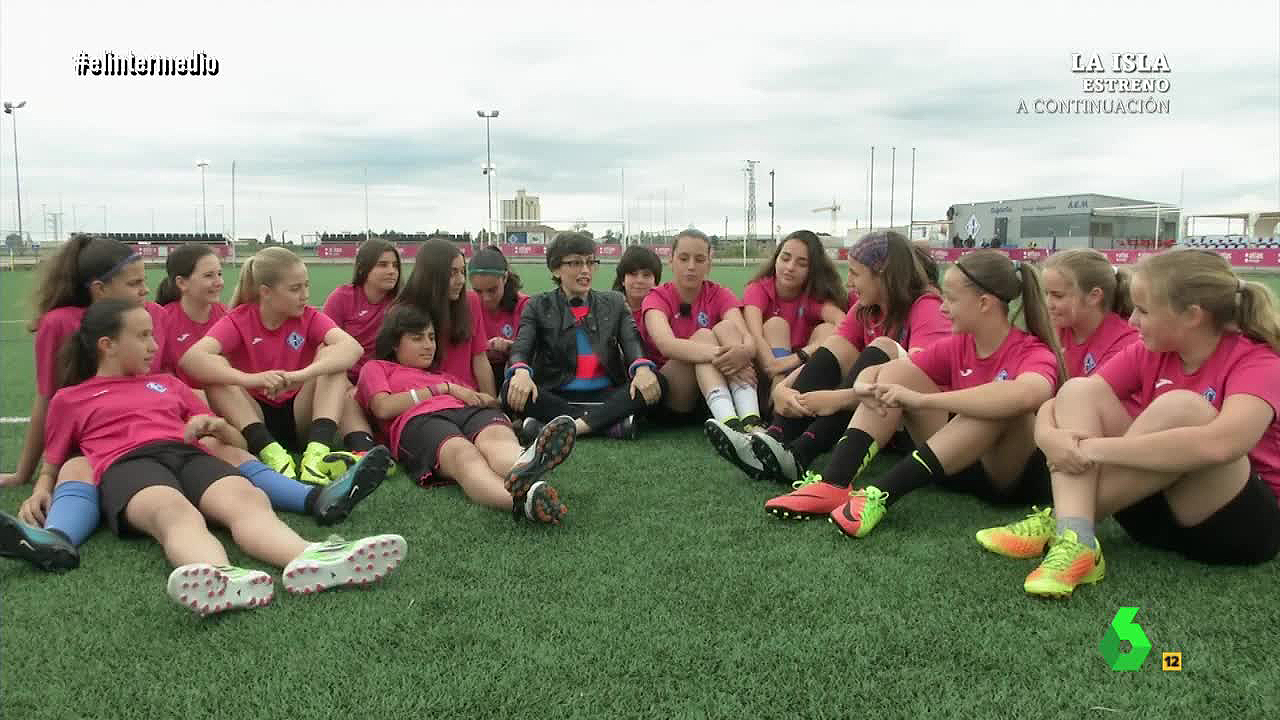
578, 351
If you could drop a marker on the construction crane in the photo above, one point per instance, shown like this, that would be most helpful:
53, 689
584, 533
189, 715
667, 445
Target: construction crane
834, 209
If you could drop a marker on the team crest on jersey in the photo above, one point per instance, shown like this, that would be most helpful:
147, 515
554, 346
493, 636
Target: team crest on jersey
507, 330
295, 340
799, 314
156, 387
703, 320
1089, 363
1210, 394
1003, 375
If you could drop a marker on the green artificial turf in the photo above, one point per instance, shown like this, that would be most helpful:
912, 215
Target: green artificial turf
667, 593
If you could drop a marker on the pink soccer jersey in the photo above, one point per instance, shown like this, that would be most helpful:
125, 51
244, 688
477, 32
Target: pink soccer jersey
802, 313
108, 417
502, 323
458, 357
350, 308
953, 363
1110, 337
650, 350
925, 325
251, 348
57, 324
381, 376
181, 332
706, 310
1238, 365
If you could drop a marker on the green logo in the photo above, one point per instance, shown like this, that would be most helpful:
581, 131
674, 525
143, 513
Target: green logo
1124, 628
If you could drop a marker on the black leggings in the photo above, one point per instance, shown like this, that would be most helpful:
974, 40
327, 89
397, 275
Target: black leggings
608, 406
810, 437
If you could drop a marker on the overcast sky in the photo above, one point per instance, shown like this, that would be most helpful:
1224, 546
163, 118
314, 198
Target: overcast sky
678, 94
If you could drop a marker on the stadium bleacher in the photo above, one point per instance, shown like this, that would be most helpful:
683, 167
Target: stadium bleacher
1231, 242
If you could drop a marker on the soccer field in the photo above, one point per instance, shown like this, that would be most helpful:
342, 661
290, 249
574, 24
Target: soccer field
667, 593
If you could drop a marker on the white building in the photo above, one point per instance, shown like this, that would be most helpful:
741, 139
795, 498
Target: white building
520, 212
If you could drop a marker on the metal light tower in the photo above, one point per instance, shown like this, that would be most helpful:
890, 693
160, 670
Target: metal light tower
204, 210
12, 109
488, 163
773, 240
751, 198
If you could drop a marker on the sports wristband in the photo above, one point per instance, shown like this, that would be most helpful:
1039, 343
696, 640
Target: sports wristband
414, 394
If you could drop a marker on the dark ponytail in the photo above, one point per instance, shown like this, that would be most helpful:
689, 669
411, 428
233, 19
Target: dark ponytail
78, 356
181, 263
68, 274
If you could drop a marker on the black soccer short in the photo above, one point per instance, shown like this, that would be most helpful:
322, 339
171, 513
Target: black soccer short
422, 437
1032, 487
185, 468
1245, 531
280, 422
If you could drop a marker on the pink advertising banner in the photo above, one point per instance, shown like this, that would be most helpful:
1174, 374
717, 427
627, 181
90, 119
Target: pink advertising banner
1239, 257
153, 250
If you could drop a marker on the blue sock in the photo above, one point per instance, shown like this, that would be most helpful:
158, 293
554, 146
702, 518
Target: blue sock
74, 511
285, 494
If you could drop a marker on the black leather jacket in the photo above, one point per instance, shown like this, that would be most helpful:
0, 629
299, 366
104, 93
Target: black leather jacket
547, 340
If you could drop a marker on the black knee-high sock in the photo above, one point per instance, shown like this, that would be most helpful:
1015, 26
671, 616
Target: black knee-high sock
822, 372
323, 431
358, 441
852, 455
911, 473
257, 437
826, 431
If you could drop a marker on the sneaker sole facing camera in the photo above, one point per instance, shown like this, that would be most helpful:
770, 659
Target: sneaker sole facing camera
337, 499
733, 445
42, 548
553, 445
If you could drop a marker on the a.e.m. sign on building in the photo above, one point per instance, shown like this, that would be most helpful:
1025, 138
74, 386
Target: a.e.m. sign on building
1065, 221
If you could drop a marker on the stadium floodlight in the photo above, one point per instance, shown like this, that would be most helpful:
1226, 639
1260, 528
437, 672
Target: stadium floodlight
204, 210
488, 164
9, 109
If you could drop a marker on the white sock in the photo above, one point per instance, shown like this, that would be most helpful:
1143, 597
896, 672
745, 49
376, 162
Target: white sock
745, 400
721, 403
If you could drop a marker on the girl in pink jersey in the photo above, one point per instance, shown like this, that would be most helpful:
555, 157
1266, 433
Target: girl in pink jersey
275, 367
191, 294
138, 431
436, 435
1177, 437
639, 271
438, 287
358, 307
698, 326
86, 269
1089, 303
501, 303
968, 401
794, 302
897, 308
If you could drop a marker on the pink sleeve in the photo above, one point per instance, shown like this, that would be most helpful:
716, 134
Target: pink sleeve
60, 437
372, 381
1256, 375
337, 306
851, 328
755, 296
1120, 343
1123, 371
49, 338
935, 360
521, 301
321, 324
1040, 360
227, 334
654, 301
926, 324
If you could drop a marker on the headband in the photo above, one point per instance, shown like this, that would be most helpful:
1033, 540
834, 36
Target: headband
1017, 267
106, 276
